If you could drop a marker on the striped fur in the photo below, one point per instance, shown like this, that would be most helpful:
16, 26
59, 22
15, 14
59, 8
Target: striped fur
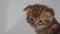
42, 18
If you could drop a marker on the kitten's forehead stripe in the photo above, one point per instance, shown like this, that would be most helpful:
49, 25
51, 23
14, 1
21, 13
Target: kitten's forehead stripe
37, 9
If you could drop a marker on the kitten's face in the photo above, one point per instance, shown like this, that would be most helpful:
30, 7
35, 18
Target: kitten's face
41, 21
40, 18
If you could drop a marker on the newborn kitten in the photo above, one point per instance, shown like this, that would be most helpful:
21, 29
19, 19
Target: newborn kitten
42, 19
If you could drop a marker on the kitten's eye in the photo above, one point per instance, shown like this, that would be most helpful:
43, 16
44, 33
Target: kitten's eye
40, 21
31, 19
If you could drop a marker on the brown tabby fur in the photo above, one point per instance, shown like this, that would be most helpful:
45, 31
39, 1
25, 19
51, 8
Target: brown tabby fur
37, 12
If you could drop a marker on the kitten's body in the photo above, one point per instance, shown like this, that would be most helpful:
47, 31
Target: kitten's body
42, 19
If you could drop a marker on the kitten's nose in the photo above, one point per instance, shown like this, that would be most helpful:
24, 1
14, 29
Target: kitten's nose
36, 24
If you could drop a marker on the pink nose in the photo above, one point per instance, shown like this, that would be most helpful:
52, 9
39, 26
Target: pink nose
36, 24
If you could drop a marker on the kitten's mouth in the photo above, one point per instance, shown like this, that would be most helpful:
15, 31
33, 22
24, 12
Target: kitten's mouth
40, 27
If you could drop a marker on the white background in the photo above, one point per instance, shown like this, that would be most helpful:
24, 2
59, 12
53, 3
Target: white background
13, 18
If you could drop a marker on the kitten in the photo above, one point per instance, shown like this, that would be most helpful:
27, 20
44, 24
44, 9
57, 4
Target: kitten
42, 19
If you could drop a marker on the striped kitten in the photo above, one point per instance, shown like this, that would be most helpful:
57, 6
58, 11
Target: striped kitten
42, 19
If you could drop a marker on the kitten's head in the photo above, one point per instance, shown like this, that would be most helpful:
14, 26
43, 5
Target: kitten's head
39, 16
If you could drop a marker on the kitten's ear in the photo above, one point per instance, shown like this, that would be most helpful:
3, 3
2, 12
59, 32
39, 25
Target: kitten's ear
28, 7
51, 11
